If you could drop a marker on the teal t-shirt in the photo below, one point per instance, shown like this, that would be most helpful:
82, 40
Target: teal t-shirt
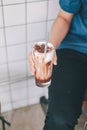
77, 36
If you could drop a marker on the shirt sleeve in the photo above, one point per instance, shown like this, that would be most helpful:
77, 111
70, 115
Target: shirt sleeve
71, 6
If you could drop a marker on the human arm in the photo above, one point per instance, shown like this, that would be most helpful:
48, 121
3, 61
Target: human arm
59, 30
60, 27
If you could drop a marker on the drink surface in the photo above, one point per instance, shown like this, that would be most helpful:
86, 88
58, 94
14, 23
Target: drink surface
41, 48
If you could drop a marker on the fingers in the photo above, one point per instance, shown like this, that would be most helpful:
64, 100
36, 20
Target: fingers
55, 58
31, 64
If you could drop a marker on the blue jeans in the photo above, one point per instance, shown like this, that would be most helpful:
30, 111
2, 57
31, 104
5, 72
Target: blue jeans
66, 93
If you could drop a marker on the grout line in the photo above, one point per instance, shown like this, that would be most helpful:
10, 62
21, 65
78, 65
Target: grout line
26, 77
17, 25
15, 44
47, 18
15, 81
46, 32
36, 1
26, 30
11, 4
22, 43
11, 62
41, 21
6, 54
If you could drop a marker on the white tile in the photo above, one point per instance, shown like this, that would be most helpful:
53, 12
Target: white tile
2, 39
31, 82
29, 47
4, 88
45, 92
36, 11
15, 35
17, 70
53, 9
6, 107
3, 55
12, 1
49, 25
34, 100
14, 14
35, 91
17, 52
19, 94
29, 69
3, 73
21, 103
5, 97
36, 31
21, 84
1, 19
31, 0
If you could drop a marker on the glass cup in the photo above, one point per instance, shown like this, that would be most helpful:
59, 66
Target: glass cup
43, 63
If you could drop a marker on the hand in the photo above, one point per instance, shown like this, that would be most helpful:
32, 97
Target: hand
55, 58
31, 64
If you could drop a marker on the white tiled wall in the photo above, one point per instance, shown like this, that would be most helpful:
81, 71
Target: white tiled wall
20, 52
36, 31
53, 9
3, 72
3, 57
17, 69
6, 2
15, 35
22, 22
1, 19
2, 40
14, 14
37, 11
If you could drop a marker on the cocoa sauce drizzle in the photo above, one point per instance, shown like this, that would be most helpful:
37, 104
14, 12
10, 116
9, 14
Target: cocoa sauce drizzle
41, 48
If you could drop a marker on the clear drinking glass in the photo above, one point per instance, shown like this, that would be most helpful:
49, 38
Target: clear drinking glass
43, 63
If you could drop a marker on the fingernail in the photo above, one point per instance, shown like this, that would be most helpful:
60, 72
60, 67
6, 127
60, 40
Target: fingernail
55, 63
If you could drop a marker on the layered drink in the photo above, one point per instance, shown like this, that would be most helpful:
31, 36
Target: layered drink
43, 63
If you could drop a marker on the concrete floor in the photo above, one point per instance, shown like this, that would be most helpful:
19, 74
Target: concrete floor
28, 118
32, 118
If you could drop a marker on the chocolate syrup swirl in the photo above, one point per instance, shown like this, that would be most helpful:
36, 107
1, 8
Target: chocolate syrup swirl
41, 48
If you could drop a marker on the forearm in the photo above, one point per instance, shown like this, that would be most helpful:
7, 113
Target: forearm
59, 30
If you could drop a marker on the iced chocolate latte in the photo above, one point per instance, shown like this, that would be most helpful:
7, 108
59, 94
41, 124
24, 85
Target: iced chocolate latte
43, 63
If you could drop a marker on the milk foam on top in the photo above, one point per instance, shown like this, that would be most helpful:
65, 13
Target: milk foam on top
39, 51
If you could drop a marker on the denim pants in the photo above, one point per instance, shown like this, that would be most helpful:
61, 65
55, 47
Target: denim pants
66, 92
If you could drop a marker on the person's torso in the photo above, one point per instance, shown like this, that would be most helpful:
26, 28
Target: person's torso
77, 35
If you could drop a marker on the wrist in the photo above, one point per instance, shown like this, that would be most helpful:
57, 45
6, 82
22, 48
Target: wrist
55, 47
